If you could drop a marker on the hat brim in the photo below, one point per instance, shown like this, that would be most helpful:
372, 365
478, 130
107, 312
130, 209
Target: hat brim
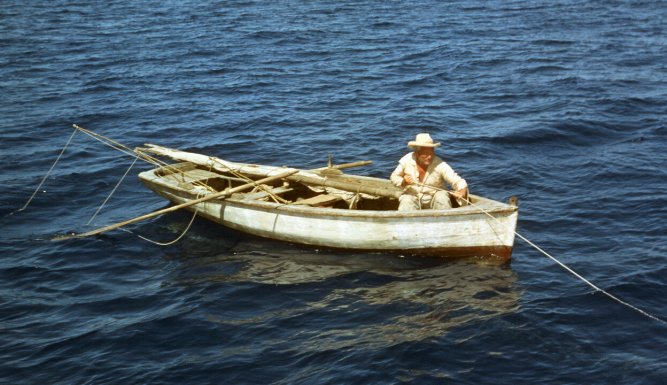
413, 144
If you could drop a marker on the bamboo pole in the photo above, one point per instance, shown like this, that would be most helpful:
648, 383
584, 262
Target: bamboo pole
177, 207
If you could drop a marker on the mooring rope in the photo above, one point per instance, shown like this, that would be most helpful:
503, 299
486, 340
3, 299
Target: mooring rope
589, 282
561, 264
112, 191
48, 172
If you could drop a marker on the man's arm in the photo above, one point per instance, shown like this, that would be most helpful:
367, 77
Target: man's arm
458, 184
398, 176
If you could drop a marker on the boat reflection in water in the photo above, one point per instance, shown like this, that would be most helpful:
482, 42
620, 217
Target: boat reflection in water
347, 299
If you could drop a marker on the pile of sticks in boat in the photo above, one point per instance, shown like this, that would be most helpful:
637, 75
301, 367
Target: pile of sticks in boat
317, 177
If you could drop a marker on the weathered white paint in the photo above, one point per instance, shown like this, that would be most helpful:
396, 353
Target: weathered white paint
487, 225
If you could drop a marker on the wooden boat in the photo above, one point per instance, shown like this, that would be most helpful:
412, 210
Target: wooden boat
327, 208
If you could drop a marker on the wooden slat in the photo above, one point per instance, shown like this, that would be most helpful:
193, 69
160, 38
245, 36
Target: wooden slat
263, 194
319, 200
194, 174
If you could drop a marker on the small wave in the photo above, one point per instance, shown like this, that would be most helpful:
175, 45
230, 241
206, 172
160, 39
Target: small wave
553, 42
101, 89
385, 25
632, 106
544, 69
578, 133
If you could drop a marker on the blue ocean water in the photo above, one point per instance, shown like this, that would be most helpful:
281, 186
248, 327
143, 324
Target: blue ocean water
561, 103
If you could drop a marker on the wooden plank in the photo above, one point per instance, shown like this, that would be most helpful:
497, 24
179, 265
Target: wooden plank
187, 172
263, 194
319, 200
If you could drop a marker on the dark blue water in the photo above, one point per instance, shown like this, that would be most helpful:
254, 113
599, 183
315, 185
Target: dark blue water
561, 103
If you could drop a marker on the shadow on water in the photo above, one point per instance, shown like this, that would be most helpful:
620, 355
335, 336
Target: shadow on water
346, 298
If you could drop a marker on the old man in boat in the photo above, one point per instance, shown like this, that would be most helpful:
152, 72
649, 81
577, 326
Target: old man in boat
424, 178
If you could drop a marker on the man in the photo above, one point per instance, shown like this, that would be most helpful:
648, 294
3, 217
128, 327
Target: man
420, 170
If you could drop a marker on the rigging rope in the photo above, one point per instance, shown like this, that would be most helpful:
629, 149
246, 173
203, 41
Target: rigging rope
112, 191
561, 264
135, 153
111, 143
48, 172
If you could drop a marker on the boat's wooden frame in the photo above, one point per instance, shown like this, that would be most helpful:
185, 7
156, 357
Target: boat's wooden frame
328, 209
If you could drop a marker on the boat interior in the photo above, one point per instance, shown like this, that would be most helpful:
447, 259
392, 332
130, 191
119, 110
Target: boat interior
199, 179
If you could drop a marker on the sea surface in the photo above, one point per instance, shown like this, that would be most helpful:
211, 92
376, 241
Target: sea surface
560, 103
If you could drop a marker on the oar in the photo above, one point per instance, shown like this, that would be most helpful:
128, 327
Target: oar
177, 207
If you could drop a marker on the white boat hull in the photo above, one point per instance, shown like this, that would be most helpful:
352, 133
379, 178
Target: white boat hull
486, 229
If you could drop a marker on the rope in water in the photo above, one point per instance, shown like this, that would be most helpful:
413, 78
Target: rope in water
194, 215
590, 283
561, 264
137, 155
121, 148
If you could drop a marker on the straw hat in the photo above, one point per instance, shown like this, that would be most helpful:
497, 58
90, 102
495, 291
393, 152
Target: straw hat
423, 140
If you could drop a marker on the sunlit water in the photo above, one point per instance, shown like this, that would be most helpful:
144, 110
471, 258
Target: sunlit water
562, 104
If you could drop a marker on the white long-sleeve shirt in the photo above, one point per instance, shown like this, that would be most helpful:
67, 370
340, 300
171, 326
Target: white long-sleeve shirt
439, 174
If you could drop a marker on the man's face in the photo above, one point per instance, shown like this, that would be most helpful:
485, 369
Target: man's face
425, 156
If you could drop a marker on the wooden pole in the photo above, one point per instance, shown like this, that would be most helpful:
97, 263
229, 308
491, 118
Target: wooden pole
177, 207
345, 165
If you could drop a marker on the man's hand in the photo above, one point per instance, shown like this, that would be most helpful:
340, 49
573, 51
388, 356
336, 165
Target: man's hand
407, 180
460, 194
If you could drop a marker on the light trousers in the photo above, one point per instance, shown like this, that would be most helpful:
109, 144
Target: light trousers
440, 200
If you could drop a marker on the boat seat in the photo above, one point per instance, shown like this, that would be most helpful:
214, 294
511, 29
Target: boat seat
319, 200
